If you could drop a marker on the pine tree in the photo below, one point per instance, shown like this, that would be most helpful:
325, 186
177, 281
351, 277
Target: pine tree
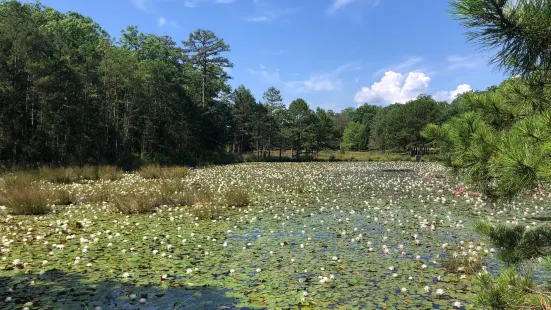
502, 144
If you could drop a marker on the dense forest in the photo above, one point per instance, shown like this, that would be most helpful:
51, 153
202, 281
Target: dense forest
72, 94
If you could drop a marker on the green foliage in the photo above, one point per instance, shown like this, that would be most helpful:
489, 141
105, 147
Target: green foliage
518, 32
516, 244
509, 290
501, 139
352, 137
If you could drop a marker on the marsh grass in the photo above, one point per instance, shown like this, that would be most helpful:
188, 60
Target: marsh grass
468, 264
19, 179
135, 203
158, 172
63, 197
87, 173
236, 197
110, 173
176, 193
99, 195
26, 201
63, 175
300, 186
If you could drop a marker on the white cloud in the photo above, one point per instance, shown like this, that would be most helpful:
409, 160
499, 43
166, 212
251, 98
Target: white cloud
268, 75
315, 83
449, 96
463, 62
394, 88
400, 67
338, 4
142, 5
262, 18
162, 21
195, 3
323, 82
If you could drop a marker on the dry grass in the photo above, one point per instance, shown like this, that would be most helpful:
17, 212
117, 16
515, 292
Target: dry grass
236, 197
62, 175
63, 197
135, 203
87, 172
158, 172
110, 173
176, 193
99, 195
19, 179
26, 201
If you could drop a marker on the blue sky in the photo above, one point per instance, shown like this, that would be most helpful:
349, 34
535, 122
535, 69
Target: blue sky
332, 53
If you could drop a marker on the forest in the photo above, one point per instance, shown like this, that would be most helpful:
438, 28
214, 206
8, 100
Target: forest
70, 93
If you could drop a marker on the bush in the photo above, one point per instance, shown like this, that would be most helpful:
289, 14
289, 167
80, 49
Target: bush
135, 203
26, 201
237, 197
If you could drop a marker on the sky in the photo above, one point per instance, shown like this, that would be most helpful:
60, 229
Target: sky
332, 53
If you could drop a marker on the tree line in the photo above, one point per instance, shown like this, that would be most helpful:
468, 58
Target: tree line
72, 94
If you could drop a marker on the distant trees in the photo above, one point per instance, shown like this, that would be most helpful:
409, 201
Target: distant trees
71, 94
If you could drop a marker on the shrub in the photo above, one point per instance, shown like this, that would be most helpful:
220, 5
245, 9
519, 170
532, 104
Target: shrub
26, 201
135, 203
236, 197
111, 173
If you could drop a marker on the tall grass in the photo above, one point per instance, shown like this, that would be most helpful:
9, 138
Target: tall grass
60, 175
26, 201
63, 197
236, 197
158, 172
176, 193
135, 203
110, 173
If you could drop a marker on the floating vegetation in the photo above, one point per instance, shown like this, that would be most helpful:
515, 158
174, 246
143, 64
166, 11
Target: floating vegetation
352, 238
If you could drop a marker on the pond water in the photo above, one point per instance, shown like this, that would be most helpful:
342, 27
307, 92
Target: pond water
316, 235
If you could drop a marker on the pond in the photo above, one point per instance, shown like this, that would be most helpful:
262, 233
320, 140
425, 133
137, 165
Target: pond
316, 235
